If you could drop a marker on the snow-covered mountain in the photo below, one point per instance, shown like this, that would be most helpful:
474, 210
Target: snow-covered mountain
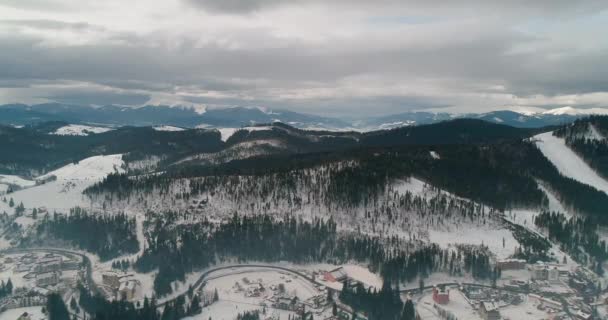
236, 117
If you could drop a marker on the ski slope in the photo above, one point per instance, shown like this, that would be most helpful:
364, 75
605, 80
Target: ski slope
79, 130
567, 162
66, 191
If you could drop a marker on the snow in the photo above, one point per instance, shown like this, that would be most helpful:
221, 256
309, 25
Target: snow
412, 185
477, 235
168, 128
435, 155
573, 111
79, 130
526, 310
227, 310
93, 168
567, 162
66, 191
499, 120
15, 180
458, 306
363, 275
13, 314
226, 133
594, 134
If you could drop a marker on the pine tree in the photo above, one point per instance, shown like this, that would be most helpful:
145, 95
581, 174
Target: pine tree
56, 308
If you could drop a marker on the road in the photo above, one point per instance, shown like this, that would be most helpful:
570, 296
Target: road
203, 277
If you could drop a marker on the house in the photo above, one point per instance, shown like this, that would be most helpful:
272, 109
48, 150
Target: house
511, 264
441, 295
113, 279
50, 278
71, 265
553, 275
336, 275
489, 311
287, 303
539, 272
48, 265
127, 290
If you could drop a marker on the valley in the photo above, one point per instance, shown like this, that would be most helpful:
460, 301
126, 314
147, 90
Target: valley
299, 224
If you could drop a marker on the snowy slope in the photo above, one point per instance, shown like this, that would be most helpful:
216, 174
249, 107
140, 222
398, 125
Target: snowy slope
15, 180
79, 130
66, 191
228, 132
167, 128
567, 162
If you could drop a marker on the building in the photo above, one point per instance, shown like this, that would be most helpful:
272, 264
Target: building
47, 278
489, 311
441, 295
336, 275
49, 265
539, 272
114, 279
546, 302
553, 274
127, 290
287, 303
511, 264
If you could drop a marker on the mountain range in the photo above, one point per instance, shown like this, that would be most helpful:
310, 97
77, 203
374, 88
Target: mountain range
235, 117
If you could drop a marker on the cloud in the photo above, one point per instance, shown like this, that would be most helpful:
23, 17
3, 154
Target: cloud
545, 7
336, 58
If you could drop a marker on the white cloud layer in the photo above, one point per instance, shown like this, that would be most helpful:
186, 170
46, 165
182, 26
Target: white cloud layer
328, 57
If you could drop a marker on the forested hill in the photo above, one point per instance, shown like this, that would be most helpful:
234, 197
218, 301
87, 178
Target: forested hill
460, 131
35, 151
589, 139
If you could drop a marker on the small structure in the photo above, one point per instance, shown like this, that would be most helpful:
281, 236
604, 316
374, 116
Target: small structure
539, 272
47, 278
114, 279
127, 290
511, 264
489, 311
336, 275
287, 303
441, 295
49, 264
553, 275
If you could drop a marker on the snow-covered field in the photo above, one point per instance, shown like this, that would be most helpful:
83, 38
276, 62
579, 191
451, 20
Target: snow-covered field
15, 180
66, 191
567, 162
79, 130
226, 133
458, 306
13, 314
168, 128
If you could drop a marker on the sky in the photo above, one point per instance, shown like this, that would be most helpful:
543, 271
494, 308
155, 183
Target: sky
336, 58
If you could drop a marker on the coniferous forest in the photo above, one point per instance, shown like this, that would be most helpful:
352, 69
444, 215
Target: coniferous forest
108, 236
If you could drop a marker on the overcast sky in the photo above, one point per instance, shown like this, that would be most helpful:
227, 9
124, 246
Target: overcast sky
331, 57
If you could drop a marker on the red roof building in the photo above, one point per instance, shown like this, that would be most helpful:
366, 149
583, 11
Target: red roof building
441, 296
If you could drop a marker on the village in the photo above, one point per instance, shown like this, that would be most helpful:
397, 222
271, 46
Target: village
535, 291
539, 290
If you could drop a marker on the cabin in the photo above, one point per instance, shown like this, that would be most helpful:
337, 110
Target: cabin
489, 311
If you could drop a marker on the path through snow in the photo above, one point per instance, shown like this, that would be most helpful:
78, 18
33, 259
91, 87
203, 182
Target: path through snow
567, 162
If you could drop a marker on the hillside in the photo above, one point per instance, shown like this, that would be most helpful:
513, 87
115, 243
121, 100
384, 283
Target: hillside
445, 200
